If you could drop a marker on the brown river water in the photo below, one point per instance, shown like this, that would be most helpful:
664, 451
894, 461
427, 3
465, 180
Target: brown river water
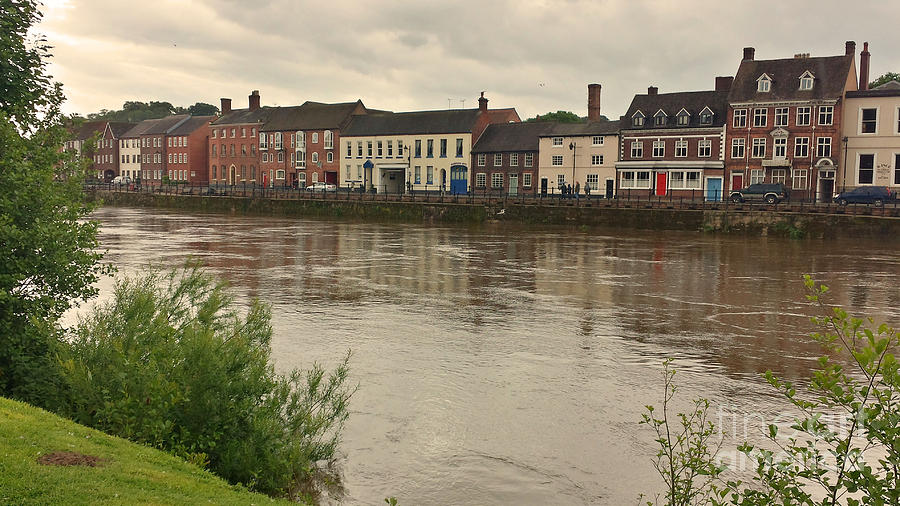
508, 365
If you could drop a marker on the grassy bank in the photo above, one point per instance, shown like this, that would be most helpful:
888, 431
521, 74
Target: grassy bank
126, 474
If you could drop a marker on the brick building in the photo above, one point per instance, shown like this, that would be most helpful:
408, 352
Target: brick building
106, 154
186, 151
153, 147
784, 122
505, 158
79, 140
672, 143
233, 139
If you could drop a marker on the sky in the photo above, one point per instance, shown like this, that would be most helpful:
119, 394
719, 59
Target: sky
534, 55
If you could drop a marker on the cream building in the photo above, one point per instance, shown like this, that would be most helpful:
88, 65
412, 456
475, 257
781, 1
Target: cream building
583, 153
871, 128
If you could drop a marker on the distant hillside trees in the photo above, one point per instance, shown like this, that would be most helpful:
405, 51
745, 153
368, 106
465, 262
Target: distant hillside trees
561, 117
134, 111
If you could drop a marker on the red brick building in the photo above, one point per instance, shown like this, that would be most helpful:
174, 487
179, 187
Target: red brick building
233, 142
106, 154
510, 149
299, 145
671, 144
153, 148
186, 151
784, 122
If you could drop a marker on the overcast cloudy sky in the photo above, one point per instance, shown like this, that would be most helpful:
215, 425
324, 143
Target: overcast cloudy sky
534, 55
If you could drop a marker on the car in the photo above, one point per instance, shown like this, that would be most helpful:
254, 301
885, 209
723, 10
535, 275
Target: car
121, 180
876, 195
770, 193
321, 187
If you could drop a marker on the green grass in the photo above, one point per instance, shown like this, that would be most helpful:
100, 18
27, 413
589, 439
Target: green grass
131, 473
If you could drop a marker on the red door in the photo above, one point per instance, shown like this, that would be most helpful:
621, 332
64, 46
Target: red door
737, 182
661, 183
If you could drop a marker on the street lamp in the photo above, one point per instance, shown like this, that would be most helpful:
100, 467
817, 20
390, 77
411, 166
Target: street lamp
844, 165
572, 147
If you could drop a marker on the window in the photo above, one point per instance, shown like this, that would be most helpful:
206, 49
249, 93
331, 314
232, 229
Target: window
781, 116
233, 133
429, 174
637, 120
557, 142
760, 117
529, 159
170, 157
779, 176
659, 149
301, 178
369, 149
263, 142
169, 139
380, 149
418, 148
799, 178
514, 159
253, 132
214, 136
560, 180
498, 159
823, 147
390, 149
315, 157
279, 174
349, 149
329, 157
632, 179
253, 150
681, 148
215, 172
347, 173
740, 118
418, 174
637, 149
359, 171
429, 149
359, 149
526, 179
780, 147
265, 157
826, 114
764, 84
596, 159
660, 119
556, 160
737, 148
443, 148
869, 120
898, 120
315, 138
329, 139
459, 148
704, 148
896, 169
706, 117
243, 150
597, 140
480, 179
592, 182
866, 169
806, 81
482, 159
683, 118
684, 180
803, 115
759, 148
757, 176
801, 147
497, 180
231, 149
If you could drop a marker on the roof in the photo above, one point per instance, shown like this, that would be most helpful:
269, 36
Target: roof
599, 127
244, 116
511, 137
311, 116
120, 127
412, 123
830, 74
191, 125
88, 129
164, 125
888, 89
138, 129
694, 102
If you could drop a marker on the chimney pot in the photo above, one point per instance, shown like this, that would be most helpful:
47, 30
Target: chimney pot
593, 102
850, 48
723, 83
225, 105
864, 67
749, 53
652, 90
253, 101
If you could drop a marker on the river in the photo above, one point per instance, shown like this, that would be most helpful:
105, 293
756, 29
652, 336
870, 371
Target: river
507, 365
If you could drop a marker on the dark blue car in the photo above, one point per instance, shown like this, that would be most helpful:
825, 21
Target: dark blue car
876, 195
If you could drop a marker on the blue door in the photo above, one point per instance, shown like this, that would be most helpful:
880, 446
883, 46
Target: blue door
459, 179
714, 189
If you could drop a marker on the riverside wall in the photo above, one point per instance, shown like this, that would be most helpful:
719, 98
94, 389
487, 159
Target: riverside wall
753, 221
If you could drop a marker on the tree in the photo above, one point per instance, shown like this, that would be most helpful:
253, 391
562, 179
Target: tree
203, 109
558, 116
885, 78
48, 258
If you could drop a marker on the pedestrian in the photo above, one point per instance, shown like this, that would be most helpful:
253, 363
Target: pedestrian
577, 187
587, 191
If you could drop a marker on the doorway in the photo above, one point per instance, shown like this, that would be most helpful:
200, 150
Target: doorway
459, 177
661, 183
714, 189
610, 188
513, 185
544, 184
737, 181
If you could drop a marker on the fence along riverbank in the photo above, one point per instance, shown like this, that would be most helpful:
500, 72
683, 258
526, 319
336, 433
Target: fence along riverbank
645, 213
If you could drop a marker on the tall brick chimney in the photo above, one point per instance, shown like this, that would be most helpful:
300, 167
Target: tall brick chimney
749, 53
723, 83
864, 67
850, 48
593, 102
652, 90
482, 103
254, 100
226, 105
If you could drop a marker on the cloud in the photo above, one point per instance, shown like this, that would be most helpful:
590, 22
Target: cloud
535, 55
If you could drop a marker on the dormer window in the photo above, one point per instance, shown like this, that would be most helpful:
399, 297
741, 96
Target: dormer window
764, 84
807, 80
659, 119
683, 118
706, 116
638, 119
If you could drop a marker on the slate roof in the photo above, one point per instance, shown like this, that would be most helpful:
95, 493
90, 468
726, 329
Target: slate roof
888, 89
599, 127
87, 130
830, 74
414, 123
138, 129
163, 125
503, 137
244, 116
120, 127
694, 102
310, 116
191, 125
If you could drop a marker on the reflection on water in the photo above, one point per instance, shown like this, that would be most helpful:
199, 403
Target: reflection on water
505, 365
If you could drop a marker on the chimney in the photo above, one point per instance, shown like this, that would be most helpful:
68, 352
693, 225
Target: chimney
864, 67
723, 83
593, 102
482, 103
254, 100
652, 90
850, 48
749, 53
226, 105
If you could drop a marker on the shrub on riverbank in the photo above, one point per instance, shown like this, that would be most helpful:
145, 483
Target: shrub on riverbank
170, 363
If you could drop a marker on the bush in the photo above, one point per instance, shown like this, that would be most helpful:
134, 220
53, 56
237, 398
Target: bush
169, 362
